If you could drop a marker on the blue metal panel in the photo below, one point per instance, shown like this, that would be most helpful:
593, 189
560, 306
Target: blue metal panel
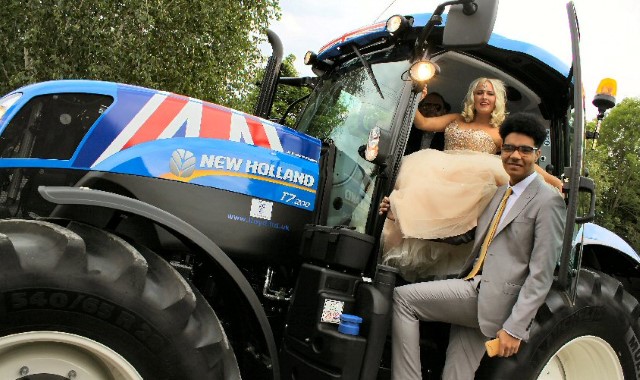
366, 35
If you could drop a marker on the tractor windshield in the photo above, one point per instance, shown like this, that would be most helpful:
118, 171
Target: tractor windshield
349, 103
344, 108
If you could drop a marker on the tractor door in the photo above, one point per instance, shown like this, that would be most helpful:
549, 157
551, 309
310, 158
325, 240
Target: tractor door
577, 183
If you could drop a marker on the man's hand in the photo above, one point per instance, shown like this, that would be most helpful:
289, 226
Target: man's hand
508, 344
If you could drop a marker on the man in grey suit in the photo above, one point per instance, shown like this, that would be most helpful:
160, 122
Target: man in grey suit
507, 276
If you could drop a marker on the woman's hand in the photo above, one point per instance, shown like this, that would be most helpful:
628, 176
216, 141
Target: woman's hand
551, 179
557, 183
385, 207
425, 91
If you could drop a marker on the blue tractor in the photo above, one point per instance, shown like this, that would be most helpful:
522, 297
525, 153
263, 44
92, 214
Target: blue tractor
150, 235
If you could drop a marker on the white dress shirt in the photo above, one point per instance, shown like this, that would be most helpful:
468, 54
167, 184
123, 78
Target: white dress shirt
517, 189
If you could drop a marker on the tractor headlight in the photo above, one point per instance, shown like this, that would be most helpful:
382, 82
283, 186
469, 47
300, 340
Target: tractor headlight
310, 58
422, 71
397, 24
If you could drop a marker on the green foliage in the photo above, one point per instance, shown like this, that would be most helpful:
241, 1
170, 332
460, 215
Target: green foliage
615, 166
202, 48
285, 95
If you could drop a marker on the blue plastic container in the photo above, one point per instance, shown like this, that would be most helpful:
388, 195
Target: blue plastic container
349, 324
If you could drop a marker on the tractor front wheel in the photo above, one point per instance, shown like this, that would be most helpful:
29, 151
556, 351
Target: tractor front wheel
80, 302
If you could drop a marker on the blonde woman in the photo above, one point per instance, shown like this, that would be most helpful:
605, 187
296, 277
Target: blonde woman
439, 195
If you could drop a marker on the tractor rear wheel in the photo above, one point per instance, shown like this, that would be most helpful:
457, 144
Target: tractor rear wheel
596, 338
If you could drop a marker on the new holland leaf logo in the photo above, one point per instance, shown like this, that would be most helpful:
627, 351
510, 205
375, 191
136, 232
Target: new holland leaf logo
183, 163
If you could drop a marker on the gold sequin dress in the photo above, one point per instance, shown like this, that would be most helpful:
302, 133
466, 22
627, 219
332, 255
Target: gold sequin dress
437, 195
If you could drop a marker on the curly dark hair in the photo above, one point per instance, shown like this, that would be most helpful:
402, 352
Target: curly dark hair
526, 124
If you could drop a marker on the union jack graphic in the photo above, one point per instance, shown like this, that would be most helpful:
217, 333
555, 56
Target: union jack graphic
142, 116
164, 115
353, 34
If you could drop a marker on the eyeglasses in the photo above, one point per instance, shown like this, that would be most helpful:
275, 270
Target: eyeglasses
523, 149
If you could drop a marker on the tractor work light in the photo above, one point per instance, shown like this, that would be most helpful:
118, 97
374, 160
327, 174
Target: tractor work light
310, 58
397, 24
422, 71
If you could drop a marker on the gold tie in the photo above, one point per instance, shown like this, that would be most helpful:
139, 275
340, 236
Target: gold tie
490, 234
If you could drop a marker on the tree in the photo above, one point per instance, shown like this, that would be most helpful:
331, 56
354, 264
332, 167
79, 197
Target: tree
615, 166
285, 95
201, 48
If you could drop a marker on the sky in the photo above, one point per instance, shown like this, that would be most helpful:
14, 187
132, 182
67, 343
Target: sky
609, 31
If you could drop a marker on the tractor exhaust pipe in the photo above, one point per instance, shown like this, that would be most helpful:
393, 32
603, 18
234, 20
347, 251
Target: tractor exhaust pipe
270, 80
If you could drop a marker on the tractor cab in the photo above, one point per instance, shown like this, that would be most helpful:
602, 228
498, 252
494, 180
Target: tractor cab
368, 90
368, 80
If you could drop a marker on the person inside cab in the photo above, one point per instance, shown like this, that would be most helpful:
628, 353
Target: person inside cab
432, 104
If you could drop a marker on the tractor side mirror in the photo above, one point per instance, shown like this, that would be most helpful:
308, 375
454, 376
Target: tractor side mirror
377, 149
470, 24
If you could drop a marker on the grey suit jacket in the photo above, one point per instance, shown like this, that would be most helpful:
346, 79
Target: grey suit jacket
518, 269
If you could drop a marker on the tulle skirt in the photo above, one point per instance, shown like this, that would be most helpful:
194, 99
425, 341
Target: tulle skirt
438, 195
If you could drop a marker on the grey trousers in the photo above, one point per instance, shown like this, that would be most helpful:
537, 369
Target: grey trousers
453, 301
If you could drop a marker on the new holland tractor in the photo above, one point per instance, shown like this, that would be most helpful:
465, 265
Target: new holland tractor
149, 235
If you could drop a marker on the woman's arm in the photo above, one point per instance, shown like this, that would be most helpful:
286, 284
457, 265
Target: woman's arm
550, 179
435, 123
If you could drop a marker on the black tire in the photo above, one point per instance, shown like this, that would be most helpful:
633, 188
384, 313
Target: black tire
92, 284
597, 338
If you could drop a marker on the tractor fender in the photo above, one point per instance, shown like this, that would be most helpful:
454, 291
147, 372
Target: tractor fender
597, 235
89, 197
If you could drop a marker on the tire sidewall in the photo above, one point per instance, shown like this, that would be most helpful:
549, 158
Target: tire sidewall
117, 324
79, 279
595, 321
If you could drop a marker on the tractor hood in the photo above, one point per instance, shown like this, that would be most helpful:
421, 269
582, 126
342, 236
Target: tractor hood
118, 128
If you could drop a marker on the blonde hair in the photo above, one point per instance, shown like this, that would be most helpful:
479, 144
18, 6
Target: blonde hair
499, 112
